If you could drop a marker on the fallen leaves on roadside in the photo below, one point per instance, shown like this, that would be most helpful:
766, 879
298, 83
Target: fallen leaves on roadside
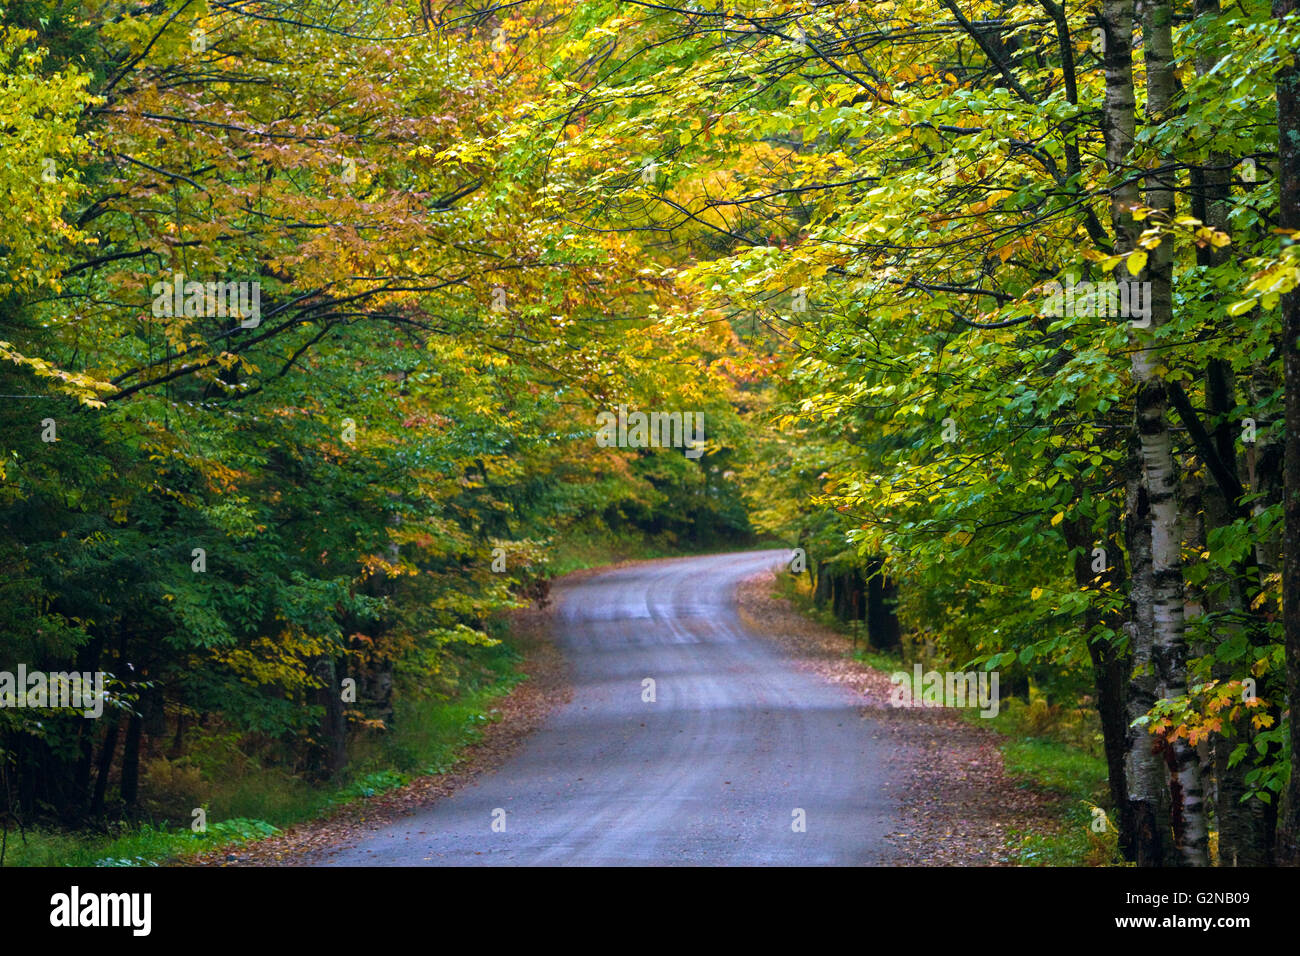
952, 788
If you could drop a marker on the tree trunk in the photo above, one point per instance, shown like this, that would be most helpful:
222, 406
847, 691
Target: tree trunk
1110, 674
882, 621
1169, 650
822, 589
105, 766
1288, 110
1144, 774
131, 761
333, 750
1244, 836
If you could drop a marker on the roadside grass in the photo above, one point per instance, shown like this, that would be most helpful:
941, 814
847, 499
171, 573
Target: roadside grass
1057, 750
1046, 747
247, 804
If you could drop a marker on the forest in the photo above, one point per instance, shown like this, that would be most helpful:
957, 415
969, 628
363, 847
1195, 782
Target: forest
321, 325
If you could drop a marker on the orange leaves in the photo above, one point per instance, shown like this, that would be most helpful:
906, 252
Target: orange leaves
1019, 244
1218, 707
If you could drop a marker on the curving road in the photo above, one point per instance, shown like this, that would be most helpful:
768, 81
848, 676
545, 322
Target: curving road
711, 772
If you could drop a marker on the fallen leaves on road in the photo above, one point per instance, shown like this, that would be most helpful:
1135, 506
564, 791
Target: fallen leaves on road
952, 788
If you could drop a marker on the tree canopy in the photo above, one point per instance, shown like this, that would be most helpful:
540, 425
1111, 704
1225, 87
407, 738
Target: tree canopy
988, 302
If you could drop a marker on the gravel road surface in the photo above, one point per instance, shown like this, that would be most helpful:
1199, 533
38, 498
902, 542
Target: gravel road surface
737, 749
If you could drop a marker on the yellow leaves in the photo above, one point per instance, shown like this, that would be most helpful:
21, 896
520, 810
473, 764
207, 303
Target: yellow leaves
1136, 261
1271, 591
1058, 518
118, 508
79, 385
374, 564
1213, 237
803, 97
1278, 277
1035, 594
276, 661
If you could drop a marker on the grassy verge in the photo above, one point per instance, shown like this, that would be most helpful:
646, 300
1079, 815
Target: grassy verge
247, 804
1057, 750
